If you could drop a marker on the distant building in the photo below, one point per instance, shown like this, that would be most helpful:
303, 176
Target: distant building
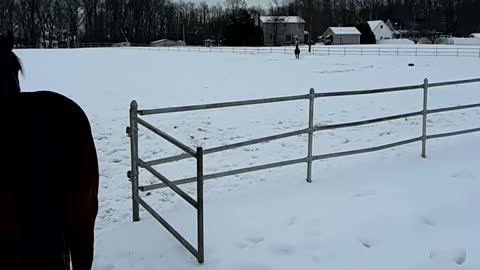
282, 30
395, 24
424, 40
474, 35
121, 44
209, 42
381, 30
167, 43
341, 36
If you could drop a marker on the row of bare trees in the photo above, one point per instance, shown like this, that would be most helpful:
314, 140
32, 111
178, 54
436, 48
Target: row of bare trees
38, 22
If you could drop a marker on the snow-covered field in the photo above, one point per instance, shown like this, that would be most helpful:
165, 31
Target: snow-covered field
385, 210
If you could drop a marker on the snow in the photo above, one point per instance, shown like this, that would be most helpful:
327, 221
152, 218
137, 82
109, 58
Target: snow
385, 210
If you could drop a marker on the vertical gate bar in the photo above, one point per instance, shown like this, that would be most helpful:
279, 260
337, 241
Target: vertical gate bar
424, 126
310, 134
201, 250
134, 159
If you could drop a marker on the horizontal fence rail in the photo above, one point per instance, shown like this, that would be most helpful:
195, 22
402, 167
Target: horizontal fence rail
367, 150
222, 105
230, 146
228, 173
137, 162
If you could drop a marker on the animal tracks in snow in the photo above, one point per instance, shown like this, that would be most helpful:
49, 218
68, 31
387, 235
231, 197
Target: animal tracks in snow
250, 242
451, 255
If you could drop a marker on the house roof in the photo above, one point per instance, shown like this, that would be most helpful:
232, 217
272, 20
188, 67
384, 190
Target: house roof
345, 30
374, 24
282, 19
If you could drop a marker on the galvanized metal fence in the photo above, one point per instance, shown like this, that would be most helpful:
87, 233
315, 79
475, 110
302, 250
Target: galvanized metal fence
199, 153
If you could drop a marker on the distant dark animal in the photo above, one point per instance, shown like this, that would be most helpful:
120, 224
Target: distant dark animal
297, 52
49, 176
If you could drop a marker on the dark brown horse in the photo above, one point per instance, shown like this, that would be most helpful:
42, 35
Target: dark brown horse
49, 177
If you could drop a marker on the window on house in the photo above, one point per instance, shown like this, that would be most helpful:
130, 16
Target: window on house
381, 26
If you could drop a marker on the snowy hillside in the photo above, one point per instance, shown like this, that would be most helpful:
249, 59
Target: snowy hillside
386, 210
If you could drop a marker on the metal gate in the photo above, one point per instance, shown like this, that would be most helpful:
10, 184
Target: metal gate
132, 131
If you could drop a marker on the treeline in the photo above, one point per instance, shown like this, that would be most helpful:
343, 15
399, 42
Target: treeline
142, 21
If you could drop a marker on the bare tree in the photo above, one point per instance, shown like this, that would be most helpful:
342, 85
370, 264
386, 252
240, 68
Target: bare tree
235, 6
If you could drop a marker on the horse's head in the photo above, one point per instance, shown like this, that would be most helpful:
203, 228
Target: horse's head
9, 66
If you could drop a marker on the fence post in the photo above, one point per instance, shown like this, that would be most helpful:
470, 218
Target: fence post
133, 174
379, 52
361, 51
328, 50
398, 51
424, 125
344, 51
458, 51
200, 236
311, 97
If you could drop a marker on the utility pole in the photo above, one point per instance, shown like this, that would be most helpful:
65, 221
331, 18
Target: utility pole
183, 29
310, 35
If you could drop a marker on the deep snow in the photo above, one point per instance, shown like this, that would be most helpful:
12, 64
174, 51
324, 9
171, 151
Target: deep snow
386, 210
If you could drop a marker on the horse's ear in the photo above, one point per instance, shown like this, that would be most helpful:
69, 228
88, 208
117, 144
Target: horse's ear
6, 41
10, 40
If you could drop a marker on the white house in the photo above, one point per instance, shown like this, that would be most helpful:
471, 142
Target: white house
381, 30
474, 35
282, 30
341, 36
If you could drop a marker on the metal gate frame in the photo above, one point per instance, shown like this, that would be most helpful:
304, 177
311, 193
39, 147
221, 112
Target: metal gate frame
136, 162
